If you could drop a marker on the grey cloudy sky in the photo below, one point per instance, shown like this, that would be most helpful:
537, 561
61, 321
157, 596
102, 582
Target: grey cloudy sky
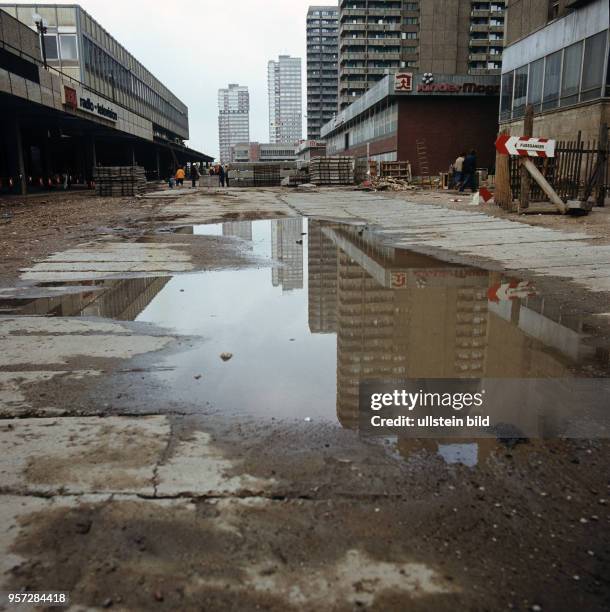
197, 47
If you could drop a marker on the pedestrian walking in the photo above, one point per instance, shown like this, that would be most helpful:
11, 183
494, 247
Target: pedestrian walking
469, 168
458, 170
180, 174
221, 176
227, 175
194, 175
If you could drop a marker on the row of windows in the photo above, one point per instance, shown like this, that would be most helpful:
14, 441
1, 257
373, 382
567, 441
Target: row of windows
112, 79
382, 123
573, 74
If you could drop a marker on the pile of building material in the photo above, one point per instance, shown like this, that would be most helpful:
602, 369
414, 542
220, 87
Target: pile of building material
361, 170
261, 174
396, 169
117, 181
267, 175
331, 170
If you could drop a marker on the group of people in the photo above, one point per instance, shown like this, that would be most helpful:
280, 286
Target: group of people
178, 179
194, 175
464, 171
222, 172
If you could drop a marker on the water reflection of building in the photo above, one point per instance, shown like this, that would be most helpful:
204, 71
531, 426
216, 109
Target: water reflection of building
238, 229
405, 315
322, 280
401, 314
122, 299
286, 234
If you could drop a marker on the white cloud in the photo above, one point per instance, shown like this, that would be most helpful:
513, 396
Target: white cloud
196, 47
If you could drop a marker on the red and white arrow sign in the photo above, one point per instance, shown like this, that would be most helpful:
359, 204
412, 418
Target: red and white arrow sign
525, 146
511, 291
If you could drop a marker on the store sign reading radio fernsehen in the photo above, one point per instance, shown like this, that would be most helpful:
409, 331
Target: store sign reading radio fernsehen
77, 99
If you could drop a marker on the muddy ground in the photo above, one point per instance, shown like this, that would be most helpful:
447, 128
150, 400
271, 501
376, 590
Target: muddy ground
133, 496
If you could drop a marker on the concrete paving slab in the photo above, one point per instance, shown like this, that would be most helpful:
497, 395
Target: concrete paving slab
59, 325
13, 385
49, 350
116, 266
196, 468
63, 277
127, 255
81, 454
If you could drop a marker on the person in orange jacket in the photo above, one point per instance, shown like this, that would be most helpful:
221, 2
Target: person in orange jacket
180, 174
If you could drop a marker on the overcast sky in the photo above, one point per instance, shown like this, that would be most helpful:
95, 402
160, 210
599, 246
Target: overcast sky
197, 47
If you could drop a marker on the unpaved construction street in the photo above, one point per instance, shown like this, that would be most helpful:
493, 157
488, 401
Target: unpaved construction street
179, 382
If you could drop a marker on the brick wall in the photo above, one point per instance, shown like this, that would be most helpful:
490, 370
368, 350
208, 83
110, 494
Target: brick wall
448, 125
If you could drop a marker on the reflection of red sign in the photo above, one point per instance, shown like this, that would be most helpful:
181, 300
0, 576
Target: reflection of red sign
403, 81
511, 291
399, 280
71, 99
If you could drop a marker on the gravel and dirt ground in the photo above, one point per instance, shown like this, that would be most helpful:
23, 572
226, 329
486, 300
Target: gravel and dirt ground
129, 481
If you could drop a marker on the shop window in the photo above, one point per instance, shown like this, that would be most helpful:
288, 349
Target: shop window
506, 97
534, 92
570, 79
552, 77
520, 95
593, 69
69, 50
50, 46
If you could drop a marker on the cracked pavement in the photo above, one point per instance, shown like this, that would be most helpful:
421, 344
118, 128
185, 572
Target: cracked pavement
133, 478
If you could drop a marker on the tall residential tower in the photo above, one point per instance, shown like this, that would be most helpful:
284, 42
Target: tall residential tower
379, 37
322, 67
285, 100
233, 118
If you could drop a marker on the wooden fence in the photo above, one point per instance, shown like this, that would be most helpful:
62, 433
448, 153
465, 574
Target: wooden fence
569, 172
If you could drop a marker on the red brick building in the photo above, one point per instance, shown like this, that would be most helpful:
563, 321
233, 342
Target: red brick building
425, 119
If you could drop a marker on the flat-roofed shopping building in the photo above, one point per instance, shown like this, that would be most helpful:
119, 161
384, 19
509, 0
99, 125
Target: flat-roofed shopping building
88, 88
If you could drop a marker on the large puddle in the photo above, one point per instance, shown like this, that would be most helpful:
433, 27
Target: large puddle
335, 306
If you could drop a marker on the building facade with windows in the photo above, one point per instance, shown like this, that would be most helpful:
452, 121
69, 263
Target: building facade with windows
82, 49
322, 67
233, 119
285, 100
380, 37
556, 59
427, 120
262, 152
61, 118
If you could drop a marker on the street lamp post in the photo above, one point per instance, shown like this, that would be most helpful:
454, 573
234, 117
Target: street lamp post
41, 26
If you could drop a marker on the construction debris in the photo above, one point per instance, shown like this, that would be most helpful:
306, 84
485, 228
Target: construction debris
388, 183
117, 181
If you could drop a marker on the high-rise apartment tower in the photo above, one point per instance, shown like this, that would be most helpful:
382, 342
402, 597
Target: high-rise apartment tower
322, 67
233, 118
285, 100
378, 37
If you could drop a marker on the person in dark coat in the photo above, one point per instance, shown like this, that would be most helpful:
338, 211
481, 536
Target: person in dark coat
227, 175
469, 169
194, 175
221, 176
